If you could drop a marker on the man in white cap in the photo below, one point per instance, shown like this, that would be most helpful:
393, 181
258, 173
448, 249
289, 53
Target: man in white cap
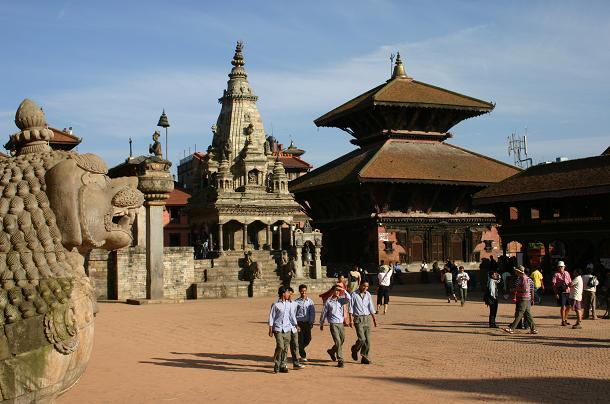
561, 286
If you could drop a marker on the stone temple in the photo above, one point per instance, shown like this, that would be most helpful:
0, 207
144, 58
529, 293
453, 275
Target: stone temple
244, 208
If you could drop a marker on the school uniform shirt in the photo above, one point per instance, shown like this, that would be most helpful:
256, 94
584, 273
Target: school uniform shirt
305, 310
333, 310
576, 289
281, 316
361, 304
462, 280
384, 278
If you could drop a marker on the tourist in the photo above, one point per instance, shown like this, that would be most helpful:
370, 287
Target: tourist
447, 280
491, 297
354, 279
206, 248
384, 277
334, 312
361, 311
281, 323
576, 288
294, 336
306, 317
538, 285
561, 287
589, 301
462, 282
524, 291
424, 272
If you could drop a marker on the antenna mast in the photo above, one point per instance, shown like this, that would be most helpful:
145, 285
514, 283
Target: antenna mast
517, 146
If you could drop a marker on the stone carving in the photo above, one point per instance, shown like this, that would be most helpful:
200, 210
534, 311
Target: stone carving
253, 268
156, 148
54, 205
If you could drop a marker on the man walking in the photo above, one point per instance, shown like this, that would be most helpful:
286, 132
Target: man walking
590, 283
524, 291
384, 277
305, 315
462, 280
294, 336
334, 312
576, 288
281, 323
561, 287
491, 298
447, 279
361, 311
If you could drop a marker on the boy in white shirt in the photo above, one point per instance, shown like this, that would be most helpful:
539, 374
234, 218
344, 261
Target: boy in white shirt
462, 281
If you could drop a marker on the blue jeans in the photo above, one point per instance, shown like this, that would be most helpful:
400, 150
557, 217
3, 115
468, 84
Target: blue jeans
538, 295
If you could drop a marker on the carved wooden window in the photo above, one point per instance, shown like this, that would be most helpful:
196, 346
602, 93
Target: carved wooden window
437, 248
417, 249
513, 213
456, 248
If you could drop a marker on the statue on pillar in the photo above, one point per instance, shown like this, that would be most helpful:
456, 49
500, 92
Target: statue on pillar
156, 148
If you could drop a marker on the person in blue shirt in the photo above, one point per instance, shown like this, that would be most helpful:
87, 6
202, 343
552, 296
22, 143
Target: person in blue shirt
362, 310
334, 312
282, 322
306, 317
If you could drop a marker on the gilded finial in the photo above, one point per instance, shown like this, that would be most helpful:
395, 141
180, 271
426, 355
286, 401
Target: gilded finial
399, 69
238, 58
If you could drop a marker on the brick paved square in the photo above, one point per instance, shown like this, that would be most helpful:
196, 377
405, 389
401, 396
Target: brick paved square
424, 349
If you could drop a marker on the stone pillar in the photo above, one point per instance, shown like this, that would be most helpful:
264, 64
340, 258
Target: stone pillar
290, 227
298, 263
245, 240
267, 238
220, 237
155, 182
318, 262
279, 237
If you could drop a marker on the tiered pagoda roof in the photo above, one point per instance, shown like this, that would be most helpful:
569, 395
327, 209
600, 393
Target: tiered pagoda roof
402, 104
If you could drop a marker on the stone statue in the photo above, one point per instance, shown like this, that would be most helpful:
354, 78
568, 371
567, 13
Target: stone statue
156, 148
54, 206
253, 268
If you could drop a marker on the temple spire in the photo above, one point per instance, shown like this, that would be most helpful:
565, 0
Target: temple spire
238, 62
399, 69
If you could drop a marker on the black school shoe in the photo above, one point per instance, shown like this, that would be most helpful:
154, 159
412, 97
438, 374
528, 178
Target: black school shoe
340, 364
283, 370
365, 361
354, 353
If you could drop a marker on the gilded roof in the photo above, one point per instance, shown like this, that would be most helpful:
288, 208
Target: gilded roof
401, 160
567, 178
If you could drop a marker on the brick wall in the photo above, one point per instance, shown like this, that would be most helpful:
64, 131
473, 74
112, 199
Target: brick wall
127, 270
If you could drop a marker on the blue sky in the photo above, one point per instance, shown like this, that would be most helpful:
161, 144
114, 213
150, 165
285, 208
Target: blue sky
108, 68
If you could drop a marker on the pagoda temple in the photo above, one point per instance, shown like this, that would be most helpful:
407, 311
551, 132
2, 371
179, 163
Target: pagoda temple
405, 194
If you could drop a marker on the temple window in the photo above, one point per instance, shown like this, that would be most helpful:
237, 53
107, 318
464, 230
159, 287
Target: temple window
513, 213
535, 213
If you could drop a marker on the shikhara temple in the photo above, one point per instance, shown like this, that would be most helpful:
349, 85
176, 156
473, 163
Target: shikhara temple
405, 194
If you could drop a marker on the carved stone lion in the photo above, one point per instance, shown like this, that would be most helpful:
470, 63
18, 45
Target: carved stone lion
54, 205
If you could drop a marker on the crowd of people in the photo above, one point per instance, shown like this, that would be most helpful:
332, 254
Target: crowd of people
350, 304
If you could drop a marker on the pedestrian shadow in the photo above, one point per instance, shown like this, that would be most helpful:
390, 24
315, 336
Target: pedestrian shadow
540, 389
439, 329
561, 342
218, 362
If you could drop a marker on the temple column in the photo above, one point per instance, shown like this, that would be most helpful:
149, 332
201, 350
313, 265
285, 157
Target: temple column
279, 238
318, 262
155, 182
220, 237
291, 228
298, 264
245, 240
267, 238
